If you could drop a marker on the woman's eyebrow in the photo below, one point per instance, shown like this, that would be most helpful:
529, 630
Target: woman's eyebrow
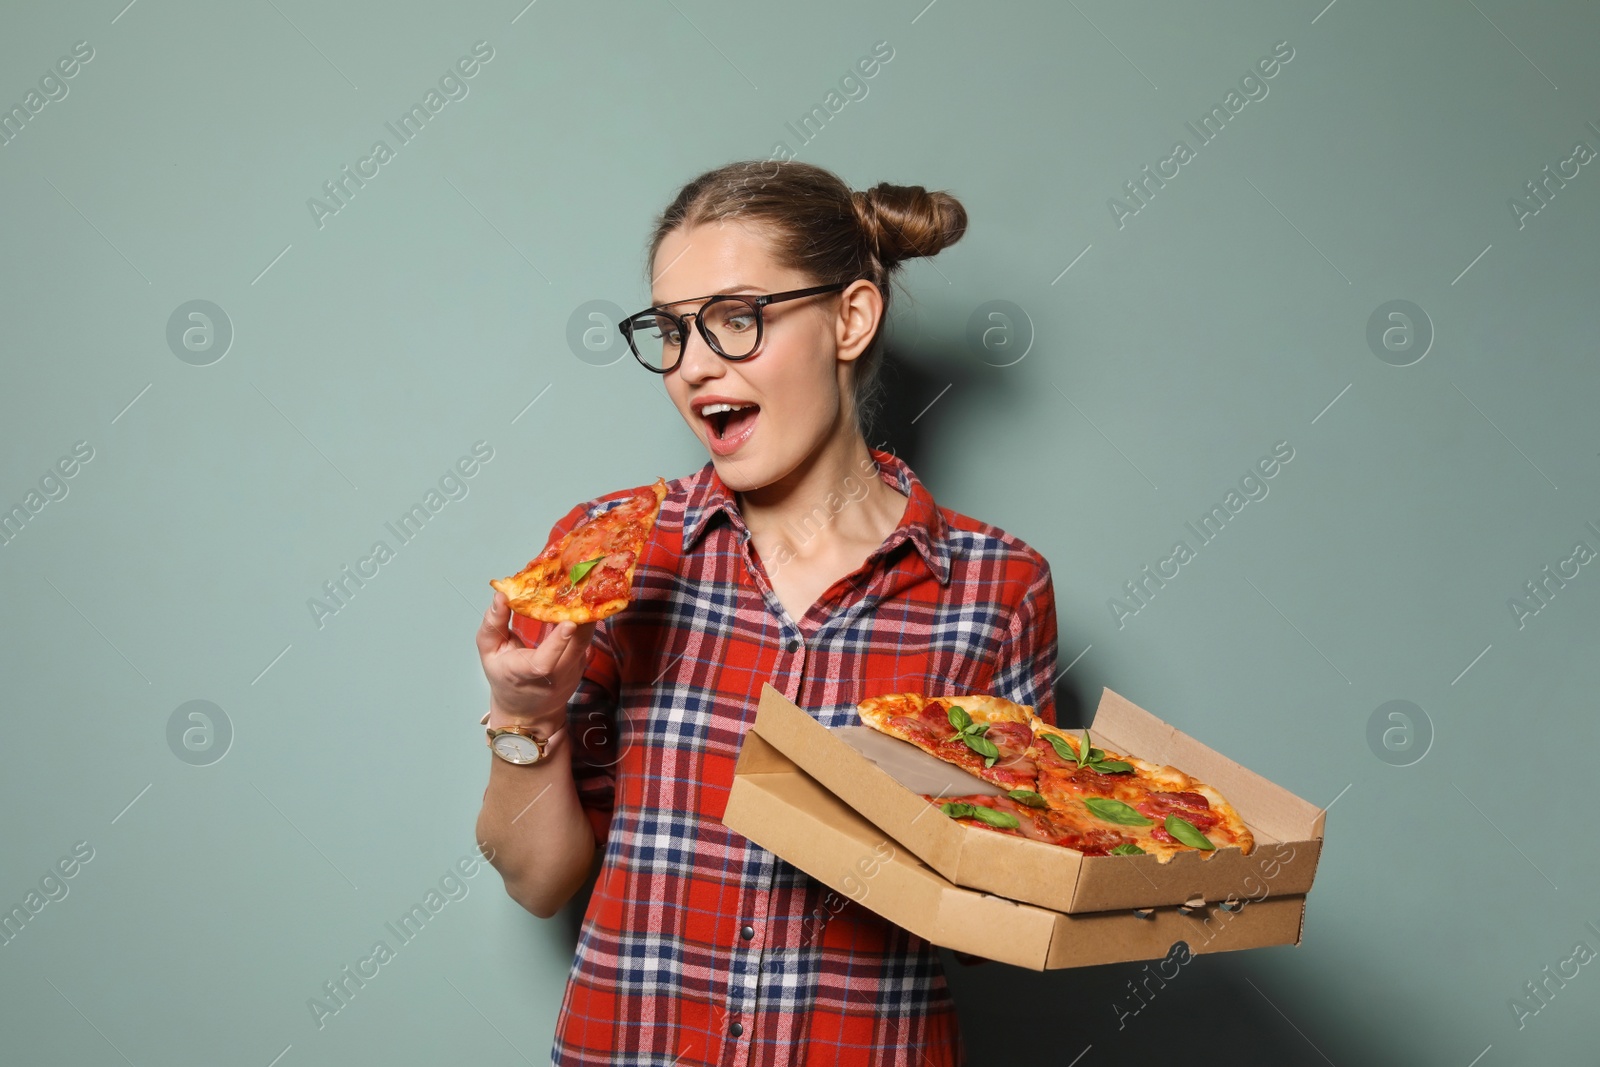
721, 292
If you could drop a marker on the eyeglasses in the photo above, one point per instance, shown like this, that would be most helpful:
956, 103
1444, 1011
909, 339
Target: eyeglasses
731, 326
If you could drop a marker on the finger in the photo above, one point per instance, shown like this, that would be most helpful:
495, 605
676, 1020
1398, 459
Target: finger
495, 633
540, 660
576, 646
550, 657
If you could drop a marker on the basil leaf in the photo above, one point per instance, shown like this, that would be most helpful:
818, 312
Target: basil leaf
1118, 812
958, 717
1063, 749
982, 746
956, 810
977, 728
988, 761
1028, 798
1002, 819
1110, 766
1188, 833
580, 569
1127, 848
1084, 750
1096, 755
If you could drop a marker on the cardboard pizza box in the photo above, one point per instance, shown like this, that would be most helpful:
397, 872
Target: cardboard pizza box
783, 809
1287, 829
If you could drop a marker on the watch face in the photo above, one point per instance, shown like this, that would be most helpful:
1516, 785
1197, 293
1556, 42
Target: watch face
516, 748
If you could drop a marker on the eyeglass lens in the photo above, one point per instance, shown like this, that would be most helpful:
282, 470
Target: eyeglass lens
731, 320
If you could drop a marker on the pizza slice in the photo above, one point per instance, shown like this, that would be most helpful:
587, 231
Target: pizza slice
986, 735
588, 574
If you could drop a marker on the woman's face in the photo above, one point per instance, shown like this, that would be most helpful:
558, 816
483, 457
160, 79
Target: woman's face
796, 381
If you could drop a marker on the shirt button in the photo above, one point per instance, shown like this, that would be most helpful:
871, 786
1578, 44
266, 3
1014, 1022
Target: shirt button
736, 1029
794, 643
747, 932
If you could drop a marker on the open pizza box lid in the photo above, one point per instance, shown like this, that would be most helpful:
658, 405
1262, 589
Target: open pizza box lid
783, 809
882, 777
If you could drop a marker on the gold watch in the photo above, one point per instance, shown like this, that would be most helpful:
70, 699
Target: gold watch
517, 744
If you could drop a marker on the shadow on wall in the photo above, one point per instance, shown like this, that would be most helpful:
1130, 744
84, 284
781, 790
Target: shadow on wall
1212, 1011
1208, 1013
950, 378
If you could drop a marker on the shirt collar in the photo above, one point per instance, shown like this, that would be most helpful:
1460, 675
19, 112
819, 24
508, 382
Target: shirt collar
923, 523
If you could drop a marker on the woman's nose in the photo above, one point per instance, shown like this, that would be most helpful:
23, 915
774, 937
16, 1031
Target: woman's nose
697, 357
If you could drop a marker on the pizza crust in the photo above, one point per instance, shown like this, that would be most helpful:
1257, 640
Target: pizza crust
980, 707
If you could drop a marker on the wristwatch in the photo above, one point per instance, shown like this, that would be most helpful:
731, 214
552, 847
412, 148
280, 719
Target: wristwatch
517, 744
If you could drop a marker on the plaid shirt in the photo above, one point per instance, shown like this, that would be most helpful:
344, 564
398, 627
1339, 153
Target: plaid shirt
699, 946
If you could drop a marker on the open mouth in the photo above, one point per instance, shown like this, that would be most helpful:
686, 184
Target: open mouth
728, 421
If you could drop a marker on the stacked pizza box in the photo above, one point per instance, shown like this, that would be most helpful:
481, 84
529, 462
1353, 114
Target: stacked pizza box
847, 806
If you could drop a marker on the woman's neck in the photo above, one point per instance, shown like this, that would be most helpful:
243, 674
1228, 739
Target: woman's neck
835, 496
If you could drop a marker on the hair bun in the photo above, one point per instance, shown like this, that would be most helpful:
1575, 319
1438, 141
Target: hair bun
907, 221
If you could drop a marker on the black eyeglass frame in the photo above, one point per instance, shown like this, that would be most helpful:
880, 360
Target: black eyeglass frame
756, 302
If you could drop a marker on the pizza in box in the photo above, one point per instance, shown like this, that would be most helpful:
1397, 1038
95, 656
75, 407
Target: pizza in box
1059, 788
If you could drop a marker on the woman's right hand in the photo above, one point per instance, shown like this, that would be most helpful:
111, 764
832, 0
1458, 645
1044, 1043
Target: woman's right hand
531, 686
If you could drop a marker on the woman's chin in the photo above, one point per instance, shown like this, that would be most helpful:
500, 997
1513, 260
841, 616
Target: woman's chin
738, 473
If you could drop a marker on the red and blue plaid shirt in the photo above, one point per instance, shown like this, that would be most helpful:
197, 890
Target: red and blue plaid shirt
698, 945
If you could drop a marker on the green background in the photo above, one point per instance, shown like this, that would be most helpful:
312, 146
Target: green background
1112, 403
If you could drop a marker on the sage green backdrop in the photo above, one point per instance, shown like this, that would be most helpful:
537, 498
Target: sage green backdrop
1089, 376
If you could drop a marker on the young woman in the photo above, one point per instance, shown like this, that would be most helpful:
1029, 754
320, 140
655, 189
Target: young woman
797, 555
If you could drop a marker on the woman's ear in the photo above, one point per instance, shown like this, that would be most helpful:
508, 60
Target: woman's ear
860, 309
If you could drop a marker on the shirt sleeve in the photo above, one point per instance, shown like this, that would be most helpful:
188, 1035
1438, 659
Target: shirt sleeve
592, 711
1025, 668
